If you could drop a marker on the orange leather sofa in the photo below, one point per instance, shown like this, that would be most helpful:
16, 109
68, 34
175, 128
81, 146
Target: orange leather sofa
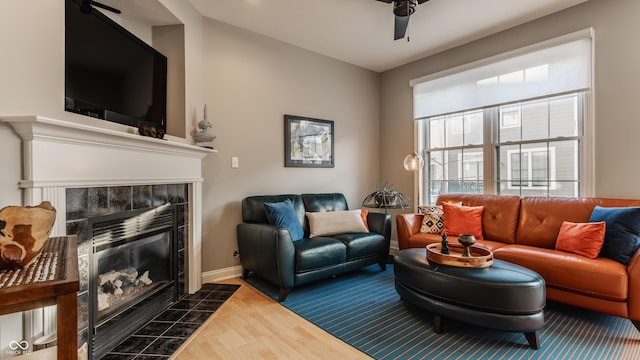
523, 230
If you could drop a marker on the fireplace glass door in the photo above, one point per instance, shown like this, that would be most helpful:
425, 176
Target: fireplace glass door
130, 272
133, 274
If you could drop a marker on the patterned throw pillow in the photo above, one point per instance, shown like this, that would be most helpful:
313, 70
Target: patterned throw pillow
432, 221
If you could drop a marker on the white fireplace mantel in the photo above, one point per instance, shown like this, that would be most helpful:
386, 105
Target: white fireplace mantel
57, 155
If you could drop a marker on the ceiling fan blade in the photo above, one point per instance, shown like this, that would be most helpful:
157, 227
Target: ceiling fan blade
88, 3
400, 27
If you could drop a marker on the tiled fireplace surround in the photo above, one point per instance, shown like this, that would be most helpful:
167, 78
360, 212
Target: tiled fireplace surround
88, 202
86, 171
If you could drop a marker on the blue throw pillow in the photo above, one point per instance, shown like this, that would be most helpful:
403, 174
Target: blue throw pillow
622, 234
282, 214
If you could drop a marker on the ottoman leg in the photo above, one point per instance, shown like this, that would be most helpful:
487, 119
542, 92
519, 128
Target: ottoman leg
532, 338
437, 324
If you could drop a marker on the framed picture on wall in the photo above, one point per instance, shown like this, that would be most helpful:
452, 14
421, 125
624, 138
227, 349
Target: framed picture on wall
308, 142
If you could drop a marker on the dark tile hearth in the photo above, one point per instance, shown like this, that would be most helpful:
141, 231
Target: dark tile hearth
163, 335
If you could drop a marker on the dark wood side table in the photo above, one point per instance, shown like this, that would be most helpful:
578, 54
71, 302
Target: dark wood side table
58, 289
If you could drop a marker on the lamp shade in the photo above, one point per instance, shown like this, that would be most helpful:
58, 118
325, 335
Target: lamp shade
413, 162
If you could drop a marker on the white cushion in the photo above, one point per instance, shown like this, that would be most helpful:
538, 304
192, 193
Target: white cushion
335, 222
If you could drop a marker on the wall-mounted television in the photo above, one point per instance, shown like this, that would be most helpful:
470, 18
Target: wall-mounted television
110, 73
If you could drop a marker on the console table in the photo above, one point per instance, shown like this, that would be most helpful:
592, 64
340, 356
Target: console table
51, 280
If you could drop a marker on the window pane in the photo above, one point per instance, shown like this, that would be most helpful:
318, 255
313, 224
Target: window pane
519, 168
472, 164
453, 164
505, 189
564, 188
509, 165
535, 191
473, 132
473, 187
510, 123
566, 160
435, 189
563, 114
514, 160
454, 186
436, 165
539, 169
436, 133
454, 130
535, 120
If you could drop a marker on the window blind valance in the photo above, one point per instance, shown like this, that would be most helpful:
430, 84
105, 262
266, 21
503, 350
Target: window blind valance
553, 67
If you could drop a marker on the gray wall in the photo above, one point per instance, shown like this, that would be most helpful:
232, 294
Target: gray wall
251, 82
616, 88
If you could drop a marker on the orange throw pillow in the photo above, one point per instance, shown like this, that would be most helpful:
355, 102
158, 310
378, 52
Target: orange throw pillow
363, 215
462, 220
584, 239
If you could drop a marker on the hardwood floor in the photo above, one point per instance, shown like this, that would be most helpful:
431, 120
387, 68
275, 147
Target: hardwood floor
252, 326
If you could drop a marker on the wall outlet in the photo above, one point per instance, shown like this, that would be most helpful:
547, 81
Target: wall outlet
234, 162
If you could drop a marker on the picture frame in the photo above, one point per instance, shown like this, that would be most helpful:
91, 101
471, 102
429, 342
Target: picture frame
308, 142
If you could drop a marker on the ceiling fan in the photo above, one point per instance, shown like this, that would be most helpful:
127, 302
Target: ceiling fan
87, 7
402, 9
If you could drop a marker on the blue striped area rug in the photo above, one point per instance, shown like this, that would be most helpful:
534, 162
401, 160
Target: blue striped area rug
363, 309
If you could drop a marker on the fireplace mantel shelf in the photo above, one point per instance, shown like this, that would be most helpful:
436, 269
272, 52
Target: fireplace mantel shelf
62, 153
30, 127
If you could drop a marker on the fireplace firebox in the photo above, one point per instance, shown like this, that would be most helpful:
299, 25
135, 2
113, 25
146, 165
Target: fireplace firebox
133, 273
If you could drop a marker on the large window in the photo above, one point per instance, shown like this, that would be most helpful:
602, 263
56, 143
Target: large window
530, 148
515, 124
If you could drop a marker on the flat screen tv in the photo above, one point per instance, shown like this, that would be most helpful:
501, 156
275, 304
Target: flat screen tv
111, 74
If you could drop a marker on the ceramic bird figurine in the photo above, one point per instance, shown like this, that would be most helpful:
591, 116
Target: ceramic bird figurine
201, 135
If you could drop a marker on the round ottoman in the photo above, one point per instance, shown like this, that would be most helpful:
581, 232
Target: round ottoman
505, 296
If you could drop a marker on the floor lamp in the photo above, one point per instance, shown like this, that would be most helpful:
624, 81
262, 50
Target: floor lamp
414, 162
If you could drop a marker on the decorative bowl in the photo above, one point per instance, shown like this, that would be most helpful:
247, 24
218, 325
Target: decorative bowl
466, 240
23, 233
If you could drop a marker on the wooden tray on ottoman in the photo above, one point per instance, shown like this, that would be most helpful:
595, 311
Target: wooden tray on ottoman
480, 257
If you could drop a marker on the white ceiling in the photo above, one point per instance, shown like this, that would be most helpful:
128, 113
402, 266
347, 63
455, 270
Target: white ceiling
360, 32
